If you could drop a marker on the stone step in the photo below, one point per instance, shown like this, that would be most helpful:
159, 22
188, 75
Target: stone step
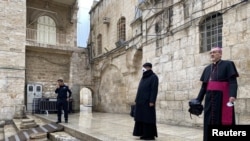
23, 135
70, 132
1, 134
28, 122
45, 131
38, 137
13, 129
61, 136
9, 130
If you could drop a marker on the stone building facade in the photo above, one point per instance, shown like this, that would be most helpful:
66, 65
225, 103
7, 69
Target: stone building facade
38, 46
175, 36
12, 55
115, 68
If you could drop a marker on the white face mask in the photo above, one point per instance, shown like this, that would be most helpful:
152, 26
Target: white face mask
143, 69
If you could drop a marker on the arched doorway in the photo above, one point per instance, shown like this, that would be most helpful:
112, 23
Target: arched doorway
85, 100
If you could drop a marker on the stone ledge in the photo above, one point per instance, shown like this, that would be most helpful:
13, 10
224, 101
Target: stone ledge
9, 130
61, 136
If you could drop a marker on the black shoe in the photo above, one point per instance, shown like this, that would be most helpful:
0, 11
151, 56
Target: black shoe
58, 122
66, 121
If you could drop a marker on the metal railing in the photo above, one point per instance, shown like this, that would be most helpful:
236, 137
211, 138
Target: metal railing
44, 37
46, 105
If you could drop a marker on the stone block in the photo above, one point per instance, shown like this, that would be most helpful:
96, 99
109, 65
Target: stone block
62, 136
28, 125
27, 120
38, 136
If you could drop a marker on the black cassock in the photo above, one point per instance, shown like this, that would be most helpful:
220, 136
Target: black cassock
219, 82
145, 116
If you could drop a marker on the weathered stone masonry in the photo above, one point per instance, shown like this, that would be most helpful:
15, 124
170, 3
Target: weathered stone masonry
112, 73
174, 51
12, 55
27, 58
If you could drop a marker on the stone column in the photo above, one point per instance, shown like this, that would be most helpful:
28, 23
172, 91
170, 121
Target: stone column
76, 97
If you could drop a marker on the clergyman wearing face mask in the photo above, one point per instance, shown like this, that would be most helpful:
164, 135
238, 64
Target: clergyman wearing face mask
145, 102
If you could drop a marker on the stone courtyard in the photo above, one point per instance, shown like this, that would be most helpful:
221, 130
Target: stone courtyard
38, 46
95, 126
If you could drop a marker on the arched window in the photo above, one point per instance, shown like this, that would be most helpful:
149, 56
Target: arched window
121, 28
46, 30
211, 32
99, 44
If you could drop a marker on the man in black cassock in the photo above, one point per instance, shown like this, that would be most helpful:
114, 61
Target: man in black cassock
219, 84
145, 115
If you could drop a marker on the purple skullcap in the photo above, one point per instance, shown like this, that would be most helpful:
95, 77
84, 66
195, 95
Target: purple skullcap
218, 48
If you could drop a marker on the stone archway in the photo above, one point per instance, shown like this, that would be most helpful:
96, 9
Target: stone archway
86, 99
112, 91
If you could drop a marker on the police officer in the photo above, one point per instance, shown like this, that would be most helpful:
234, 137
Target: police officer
62, 100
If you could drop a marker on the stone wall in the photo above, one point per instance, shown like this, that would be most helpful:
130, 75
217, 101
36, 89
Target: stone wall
12, 56
47, 63
38, 63
109, 31
59, 12
115, 73
236, 42
80, 75
45, 68
175, 54
115, 81
180, 62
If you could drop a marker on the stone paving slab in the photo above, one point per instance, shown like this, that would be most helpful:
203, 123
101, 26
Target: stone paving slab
62, 136
118, 127
25, 134
9, 130
14, 130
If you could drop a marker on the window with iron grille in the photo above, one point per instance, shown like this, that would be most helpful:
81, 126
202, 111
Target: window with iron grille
99, 44
121, 28
211, 32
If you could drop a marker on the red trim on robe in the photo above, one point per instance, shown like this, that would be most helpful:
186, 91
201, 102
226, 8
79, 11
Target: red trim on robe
227, 112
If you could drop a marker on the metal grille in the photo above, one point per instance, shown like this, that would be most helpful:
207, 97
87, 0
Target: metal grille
211, 32
45, 105
99, 44
60, 39
121, 29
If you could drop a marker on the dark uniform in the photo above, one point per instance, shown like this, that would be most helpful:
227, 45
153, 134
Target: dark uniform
62, 102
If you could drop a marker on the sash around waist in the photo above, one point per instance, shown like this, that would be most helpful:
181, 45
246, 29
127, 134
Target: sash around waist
217, 85
226, 112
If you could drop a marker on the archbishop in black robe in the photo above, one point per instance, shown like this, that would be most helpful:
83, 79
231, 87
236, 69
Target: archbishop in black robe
219, 82
145, 115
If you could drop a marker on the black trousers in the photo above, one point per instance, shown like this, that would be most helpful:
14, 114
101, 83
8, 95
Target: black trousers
62, 104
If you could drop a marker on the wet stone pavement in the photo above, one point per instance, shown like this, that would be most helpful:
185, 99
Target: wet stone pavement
117, 127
